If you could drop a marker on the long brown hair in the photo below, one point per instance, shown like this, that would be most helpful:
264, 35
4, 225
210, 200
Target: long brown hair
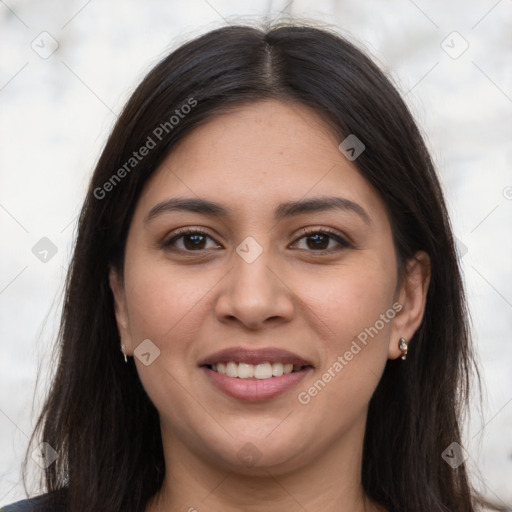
97, 415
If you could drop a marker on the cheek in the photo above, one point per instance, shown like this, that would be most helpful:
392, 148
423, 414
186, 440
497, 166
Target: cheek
163, 306
355, 309
162, 300
350, 298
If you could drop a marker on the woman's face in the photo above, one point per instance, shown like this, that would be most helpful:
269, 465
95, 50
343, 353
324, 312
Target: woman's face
292, 265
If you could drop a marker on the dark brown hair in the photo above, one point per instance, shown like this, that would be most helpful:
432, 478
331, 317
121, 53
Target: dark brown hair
97, 414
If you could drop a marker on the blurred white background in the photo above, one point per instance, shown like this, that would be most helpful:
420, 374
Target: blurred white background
451, 60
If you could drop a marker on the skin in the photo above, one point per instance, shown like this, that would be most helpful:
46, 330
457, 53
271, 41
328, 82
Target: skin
192, 304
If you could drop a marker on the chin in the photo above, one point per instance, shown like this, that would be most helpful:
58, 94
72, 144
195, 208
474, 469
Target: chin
259, 455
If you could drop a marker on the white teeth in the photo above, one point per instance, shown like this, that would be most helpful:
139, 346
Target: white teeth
232, 369
247, 371
288, 368
277, 369
263, 371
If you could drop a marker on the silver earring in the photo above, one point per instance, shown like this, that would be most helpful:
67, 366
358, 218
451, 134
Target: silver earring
124, 353
403, 347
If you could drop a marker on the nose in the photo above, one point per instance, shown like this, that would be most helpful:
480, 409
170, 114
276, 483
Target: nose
255, 293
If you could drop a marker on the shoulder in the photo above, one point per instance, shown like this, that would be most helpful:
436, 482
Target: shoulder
37, 504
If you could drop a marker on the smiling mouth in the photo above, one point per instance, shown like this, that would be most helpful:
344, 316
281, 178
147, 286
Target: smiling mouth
261, 371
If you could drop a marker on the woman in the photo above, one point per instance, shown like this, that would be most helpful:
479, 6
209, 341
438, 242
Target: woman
266, 241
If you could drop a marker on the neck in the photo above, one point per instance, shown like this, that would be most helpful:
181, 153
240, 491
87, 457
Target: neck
330, 483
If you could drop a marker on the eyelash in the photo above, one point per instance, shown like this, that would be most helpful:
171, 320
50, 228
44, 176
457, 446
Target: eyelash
343, 242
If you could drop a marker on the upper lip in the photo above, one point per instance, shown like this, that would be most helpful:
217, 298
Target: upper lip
254, 356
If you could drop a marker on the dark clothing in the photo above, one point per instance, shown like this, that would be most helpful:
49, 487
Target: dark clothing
37, 504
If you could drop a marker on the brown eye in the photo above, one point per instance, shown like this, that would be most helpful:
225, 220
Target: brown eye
319, 241
193, 240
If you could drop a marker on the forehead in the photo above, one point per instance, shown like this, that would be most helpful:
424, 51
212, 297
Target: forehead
259, 155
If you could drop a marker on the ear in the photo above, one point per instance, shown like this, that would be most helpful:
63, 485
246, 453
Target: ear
412, 296
121, 311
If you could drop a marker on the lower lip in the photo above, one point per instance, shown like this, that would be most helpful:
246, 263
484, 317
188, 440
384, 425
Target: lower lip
254, 390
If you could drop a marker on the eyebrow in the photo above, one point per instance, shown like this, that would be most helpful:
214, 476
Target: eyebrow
283, 210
